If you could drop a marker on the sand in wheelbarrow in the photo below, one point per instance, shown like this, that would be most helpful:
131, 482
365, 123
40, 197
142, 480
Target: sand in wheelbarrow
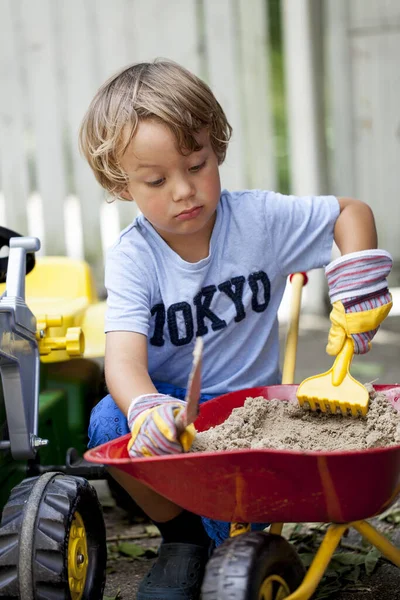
284, 425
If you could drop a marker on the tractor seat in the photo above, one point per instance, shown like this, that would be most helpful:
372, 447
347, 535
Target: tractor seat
61, 286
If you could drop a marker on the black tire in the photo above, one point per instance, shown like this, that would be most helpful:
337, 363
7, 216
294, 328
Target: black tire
37, 538
239, 567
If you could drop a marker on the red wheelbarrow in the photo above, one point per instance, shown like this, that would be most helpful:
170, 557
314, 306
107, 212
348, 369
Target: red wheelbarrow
276, 486
250, 486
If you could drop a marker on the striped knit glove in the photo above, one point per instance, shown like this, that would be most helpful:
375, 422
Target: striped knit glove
360, 298
151, 419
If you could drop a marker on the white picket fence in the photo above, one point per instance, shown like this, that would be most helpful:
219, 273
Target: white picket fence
54, 54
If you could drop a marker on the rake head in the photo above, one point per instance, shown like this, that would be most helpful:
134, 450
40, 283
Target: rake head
350, 398
335, 391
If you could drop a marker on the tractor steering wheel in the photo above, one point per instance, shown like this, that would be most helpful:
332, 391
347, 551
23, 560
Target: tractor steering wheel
5, 236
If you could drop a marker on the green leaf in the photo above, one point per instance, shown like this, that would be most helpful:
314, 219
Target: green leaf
328, 590
371, 560
135, 551
307, 558
116, 597
392, 515
331, 573
130, 549
348, 558
353, 574
152, 531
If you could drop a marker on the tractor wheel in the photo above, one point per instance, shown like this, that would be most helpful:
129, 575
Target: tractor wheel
52, 541
253, 566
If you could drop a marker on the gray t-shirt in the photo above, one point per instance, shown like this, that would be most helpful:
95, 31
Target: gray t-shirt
230, 298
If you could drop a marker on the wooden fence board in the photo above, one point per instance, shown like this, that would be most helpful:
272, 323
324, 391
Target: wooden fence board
369, 14
377, 130
143, 31
340, 70
40, 56
224, 78
166, 30
364, 43
256, 94
79, 84
114, 43
13, 163
63, 51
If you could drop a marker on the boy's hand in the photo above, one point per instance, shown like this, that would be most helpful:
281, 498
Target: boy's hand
151, 419
360, 297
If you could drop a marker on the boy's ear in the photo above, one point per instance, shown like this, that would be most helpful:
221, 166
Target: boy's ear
126, 195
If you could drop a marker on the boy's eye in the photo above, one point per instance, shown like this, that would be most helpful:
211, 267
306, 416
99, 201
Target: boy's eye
156, 183
197, 167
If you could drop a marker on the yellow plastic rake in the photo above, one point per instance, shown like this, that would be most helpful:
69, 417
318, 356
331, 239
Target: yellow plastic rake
336, 390
333, 391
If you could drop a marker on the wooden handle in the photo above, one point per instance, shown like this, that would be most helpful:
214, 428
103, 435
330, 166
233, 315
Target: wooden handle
289, 363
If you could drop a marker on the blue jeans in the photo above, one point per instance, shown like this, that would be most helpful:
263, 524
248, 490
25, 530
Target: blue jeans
107, 423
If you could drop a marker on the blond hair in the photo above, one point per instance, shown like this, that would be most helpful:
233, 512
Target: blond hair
161, 90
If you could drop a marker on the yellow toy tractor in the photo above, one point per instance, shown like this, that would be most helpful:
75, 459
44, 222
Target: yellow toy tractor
52, 533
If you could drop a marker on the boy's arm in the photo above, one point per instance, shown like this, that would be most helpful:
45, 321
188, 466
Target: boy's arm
358, 280
151, 416
126, 367
355, 227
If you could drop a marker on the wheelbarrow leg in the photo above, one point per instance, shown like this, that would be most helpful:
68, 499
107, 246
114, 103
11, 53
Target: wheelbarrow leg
240, 528
276, 528
320, 563
378, 540
328, 547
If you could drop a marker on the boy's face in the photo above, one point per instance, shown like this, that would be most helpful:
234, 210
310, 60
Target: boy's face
177, 194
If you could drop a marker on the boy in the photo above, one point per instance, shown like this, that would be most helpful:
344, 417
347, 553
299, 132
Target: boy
199, 261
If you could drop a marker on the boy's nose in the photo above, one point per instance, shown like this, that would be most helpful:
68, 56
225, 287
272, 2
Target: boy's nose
183, 190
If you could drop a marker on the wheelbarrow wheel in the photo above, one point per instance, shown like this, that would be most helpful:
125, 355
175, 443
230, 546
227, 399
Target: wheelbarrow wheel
52, 540
253, 566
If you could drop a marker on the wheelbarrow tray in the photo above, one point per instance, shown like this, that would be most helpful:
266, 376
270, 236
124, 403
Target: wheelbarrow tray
266, 485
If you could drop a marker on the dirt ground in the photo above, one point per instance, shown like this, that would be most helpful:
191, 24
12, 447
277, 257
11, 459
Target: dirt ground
124, 572
132, 545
